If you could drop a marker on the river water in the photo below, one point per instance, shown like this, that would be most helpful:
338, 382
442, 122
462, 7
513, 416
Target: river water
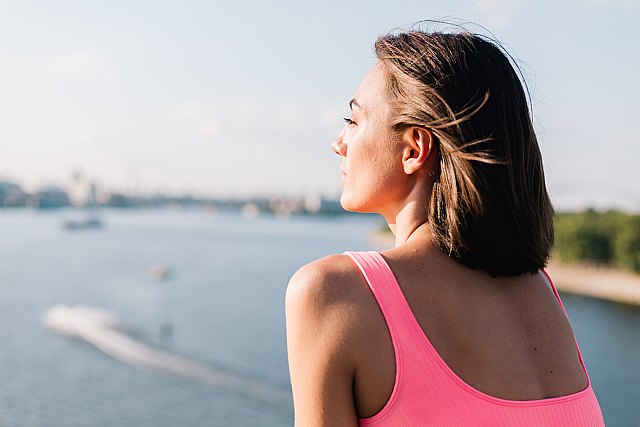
217, 314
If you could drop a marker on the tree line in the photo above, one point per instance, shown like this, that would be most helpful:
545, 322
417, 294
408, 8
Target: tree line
608, 238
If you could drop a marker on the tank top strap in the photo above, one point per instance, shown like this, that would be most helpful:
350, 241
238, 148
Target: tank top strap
387, 292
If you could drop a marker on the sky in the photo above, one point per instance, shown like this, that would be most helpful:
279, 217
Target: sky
243, 98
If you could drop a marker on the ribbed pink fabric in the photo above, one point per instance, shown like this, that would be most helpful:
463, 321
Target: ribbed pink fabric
428, 393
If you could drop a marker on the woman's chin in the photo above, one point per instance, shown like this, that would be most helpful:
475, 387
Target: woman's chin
352, 205
347, 203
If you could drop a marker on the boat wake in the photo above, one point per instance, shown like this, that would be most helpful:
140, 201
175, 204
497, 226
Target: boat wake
101, 328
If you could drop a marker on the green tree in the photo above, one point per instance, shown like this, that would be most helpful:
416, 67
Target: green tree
585, 236
627, 244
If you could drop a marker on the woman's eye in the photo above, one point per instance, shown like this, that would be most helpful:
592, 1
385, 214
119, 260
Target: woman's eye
349, 121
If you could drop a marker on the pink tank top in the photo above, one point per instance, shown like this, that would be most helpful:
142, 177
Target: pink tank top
428, 393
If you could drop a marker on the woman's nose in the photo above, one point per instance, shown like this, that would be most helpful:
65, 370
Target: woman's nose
338, 146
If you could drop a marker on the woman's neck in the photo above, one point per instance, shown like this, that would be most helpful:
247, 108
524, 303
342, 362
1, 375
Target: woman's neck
410, 221
409, 217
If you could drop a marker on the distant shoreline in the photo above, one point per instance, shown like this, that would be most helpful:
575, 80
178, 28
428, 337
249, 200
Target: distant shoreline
601, 282
598, 282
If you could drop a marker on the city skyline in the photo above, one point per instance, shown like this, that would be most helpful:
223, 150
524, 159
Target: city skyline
244, 99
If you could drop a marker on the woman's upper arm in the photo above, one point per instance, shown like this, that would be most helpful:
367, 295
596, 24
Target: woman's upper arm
320, 325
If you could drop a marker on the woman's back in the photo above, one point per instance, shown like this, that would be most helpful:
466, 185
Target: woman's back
503, 339
505, 336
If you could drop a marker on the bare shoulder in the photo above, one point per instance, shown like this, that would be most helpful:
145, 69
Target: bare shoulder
325, 282
323, 306
329, 302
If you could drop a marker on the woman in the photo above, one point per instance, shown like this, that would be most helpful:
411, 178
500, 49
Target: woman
458, 324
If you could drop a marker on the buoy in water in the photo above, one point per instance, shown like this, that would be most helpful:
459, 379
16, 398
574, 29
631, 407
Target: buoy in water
158, 272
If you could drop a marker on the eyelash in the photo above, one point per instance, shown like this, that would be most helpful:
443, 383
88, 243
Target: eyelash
349, 121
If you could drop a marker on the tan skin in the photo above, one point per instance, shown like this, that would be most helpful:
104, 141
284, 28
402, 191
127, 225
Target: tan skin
505, 336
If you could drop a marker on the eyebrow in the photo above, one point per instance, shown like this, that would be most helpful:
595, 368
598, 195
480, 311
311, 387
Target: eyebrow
354, 102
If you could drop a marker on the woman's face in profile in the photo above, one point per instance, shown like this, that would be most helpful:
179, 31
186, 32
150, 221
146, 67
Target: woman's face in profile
371, 154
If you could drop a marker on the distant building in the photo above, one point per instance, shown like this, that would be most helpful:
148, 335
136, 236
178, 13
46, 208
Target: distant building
118, 200
11, 195
52, 197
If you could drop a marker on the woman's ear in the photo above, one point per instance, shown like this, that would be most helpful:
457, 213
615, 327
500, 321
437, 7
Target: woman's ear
418, 148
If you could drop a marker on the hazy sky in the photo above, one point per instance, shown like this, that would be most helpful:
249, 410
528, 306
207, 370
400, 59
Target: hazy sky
244, 98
